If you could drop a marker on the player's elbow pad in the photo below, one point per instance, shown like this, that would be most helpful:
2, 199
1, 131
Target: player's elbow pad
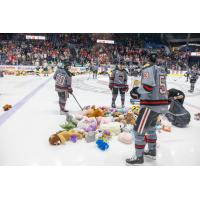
148, 88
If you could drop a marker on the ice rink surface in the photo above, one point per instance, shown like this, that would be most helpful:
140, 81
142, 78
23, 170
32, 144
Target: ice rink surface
25, 129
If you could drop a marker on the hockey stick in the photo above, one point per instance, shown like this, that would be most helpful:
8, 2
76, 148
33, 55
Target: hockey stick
77, 101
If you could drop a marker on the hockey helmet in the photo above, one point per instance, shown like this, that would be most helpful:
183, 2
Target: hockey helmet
152, 57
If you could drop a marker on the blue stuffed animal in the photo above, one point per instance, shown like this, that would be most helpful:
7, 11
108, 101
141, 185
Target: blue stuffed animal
102, 145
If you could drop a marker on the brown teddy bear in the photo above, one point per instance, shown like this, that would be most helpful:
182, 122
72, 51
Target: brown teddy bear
94, 112
63, 136
120, 118
129, 119
7, 107
116, 114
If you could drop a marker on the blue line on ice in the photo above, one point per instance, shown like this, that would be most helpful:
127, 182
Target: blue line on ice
17, 106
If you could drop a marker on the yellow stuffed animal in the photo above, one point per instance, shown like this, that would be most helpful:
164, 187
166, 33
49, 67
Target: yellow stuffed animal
95, 112
62, 136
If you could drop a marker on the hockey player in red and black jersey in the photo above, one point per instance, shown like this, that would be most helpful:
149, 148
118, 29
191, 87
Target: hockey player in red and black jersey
153, 101
63, 80
118, 83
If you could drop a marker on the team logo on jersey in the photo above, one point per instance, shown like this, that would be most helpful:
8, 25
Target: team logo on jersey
145, 75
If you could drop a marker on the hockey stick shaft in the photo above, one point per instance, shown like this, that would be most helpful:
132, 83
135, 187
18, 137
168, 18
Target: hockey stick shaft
77, 101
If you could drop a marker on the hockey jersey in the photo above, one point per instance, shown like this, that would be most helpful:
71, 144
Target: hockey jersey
193, 76
63, 80
153, 89
118, 78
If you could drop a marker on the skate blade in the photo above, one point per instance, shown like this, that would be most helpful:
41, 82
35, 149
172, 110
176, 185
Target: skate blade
127, 164
150, 157
63, 113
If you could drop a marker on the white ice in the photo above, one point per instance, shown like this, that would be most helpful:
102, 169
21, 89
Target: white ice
24, 136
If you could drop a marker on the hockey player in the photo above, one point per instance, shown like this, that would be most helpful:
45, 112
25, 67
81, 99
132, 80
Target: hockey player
118, 83
1, 73
187, 75
63, 78
45, 69
194, 75
37, 70
95, 71
153, 101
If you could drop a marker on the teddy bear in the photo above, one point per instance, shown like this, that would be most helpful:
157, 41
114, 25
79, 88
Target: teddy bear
116, 114
119, 119
129, 119
62, 136
7, 107
94, 112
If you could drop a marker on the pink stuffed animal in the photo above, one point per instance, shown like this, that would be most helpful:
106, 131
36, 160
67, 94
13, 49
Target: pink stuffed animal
125, 137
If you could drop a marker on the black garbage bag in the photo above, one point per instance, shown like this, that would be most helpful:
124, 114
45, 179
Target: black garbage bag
178, 115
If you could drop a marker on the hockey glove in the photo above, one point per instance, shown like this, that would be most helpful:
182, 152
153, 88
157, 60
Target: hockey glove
111, 86
70, 90
134, 93
125, 89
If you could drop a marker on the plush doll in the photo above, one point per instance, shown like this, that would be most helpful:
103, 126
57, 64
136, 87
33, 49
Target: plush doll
7, 107
62, 136
106, 120
102, 145
129, 119
197, 116
90, 136
68, 125
95, 112
113, 127
88, 124
125, 137
135, 83
104, 135
116, 114
136, 109
166, 128
119, 119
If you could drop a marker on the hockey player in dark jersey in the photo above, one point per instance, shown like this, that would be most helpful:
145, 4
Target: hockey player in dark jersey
37, 72
194, 75
153, 101
118, 83
63, 79
187, 75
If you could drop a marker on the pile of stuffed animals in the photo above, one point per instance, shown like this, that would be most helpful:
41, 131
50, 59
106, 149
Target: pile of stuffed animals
99, 124
96, 124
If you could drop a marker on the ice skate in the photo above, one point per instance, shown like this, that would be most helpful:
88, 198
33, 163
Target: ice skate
135, 161
63, 112
113, 105
150, 154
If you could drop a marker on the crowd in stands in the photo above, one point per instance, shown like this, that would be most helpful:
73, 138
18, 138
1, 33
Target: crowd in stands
82, 49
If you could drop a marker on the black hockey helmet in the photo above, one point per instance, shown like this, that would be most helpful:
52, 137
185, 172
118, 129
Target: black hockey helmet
67, 64
121, 62
153, 57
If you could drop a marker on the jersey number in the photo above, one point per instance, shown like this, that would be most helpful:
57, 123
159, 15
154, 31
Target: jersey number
60, 80
162, 86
